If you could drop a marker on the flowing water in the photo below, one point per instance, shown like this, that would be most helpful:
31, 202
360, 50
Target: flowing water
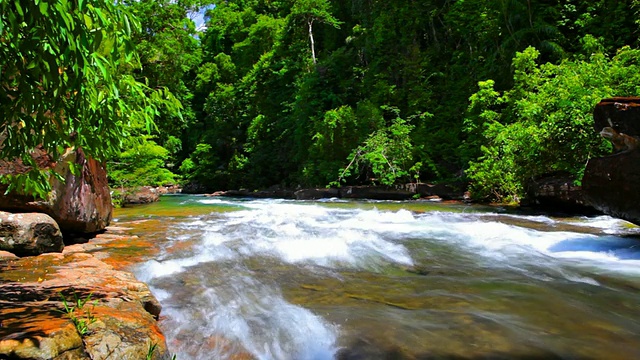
278, 279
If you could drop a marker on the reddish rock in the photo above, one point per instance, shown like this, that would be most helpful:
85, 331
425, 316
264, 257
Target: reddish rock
121, 313
141, 195
81, 204
29, 234
169, 189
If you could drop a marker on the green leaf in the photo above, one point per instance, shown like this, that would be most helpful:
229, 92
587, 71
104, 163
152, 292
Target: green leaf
44, 8
19, 8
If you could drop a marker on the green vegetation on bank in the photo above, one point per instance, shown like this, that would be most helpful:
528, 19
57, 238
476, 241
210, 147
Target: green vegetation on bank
318, 92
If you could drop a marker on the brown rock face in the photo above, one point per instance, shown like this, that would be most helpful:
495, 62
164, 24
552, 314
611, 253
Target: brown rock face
620, 113
558, 193
29, 234
81, 204
610, 183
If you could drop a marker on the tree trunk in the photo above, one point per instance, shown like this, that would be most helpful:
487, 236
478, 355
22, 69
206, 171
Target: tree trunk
313, 46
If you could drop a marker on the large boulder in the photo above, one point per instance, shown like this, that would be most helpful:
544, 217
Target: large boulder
29, 234
139, 195
80, 204
557, 192
609, 183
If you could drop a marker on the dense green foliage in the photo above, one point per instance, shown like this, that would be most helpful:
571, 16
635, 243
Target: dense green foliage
318, 92
544, 123
308, 92
62, 85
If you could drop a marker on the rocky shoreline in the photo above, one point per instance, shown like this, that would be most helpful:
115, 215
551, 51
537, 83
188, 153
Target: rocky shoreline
74, 305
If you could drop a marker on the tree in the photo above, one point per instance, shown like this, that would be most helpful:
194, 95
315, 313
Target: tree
61, 82
312, 11
544, 124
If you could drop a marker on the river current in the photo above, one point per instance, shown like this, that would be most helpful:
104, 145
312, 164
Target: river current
281, 279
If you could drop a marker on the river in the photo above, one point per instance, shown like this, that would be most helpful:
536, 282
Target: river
282, 279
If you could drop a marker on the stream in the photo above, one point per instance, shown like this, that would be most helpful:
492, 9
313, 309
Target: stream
283, 279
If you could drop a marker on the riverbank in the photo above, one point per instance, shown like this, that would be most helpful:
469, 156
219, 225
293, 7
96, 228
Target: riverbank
79, 304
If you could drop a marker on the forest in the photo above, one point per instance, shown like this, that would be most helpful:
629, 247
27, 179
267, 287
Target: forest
315, 93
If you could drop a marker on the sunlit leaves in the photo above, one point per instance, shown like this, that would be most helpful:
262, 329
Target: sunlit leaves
545, 123
60, 82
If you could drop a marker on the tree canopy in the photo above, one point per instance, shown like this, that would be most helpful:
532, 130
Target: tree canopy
318, 92
63, 84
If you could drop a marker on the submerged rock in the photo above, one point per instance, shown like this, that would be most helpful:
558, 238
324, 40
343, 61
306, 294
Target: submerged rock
29, 234
80, 204
610, 183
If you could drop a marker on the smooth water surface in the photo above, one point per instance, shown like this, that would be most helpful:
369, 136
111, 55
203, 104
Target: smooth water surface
278, 279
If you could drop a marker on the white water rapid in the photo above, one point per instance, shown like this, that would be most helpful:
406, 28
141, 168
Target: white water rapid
293, 280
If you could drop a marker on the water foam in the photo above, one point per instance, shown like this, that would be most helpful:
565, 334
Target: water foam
256, 318
254, 313
504, 242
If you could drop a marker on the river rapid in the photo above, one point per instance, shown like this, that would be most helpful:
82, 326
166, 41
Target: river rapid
281, 279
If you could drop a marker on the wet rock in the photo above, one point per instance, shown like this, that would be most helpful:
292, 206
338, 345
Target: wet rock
120, 315
452, 191
557, 192
261, 194
27, 234
609, 182
610, 185
80, 204
314, 194
375, 193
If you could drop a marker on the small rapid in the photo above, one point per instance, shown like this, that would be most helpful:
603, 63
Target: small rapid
277, 279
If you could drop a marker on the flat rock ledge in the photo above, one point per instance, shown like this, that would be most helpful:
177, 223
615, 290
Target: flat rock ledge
121, 313
400, 192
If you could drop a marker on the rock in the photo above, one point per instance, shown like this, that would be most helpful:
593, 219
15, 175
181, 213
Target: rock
375, 193
314, 194
120, 315
557, 192
261, 194
451, 191
29, 234
80, 205
170, 189
620, 113
401, 192
141, 195
609, 183
194, 187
